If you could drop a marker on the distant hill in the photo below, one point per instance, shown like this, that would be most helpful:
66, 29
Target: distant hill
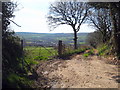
50, 39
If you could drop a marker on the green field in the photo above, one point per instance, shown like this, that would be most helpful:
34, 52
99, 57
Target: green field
39, 53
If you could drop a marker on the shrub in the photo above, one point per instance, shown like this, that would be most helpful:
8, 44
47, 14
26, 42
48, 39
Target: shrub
17, 81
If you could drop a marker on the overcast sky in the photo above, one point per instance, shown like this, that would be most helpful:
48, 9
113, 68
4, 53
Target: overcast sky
32, 18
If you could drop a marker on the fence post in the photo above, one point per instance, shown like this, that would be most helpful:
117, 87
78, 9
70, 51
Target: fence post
60, 47
22, 55
22, 45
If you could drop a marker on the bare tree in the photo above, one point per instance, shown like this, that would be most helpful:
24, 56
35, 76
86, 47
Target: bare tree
94, 39
101, 20
70, 13
114, 12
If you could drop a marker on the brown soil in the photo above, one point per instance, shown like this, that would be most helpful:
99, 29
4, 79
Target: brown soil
78, 72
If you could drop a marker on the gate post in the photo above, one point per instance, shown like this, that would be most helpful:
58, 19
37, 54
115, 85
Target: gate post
60, 47
22, 45
22, 55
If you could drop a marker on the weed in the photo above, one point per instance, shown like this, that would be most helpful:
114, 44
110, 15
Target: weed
103, 49
86, 54
90, 52
40, 58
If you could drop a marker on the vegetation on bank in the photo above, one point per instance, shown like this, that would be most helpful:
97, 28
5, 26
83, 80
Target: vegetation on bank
69, 51
14, 69
103, 50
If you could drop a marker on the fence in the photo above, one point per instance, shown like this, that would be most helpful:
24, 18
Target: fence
33, 54
39, 51
48, 52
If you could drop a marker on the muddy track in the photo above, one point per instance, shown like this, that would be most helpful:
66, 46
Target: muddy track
78, 72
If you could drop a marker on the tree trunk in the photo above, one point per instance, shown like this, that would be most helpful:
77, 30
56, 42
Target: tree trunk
104, 36
115, 31
75, 39
118, 32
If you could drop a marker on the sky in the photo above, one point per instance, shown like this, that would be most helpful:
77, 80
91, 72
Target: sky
31, 16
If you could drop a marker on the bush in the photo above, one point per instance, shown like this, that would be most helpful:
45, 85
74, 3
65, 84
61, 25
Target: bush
94, 39
17, 81
12, 53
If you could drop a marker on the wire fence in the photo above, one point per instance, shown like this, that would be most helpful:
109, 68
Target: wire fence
37, 52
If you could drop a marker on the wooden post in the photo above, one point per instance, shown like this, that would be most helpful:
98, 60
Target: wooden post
60, 47
22, 55
22, 45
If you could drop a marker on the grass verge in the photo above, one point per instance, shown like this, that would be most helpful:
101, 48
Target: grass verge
69, 53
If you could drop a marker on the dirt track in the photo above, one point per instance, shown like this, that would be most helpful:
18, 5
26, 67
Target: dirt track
79, 72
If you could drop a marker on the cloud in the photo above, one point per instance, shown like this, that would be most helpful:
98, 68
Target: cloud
32, 18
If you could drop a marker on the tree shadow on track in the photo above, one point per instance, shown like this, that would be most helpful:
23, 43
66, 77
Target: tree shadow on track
117, 78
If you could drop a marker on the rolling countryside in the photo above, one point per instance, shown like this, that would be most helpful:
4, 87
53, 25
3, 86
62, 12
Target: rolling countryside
50, 39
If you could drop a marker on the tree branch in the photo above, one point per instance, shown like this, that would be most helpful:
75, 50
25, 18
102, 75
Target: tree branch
14, 22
